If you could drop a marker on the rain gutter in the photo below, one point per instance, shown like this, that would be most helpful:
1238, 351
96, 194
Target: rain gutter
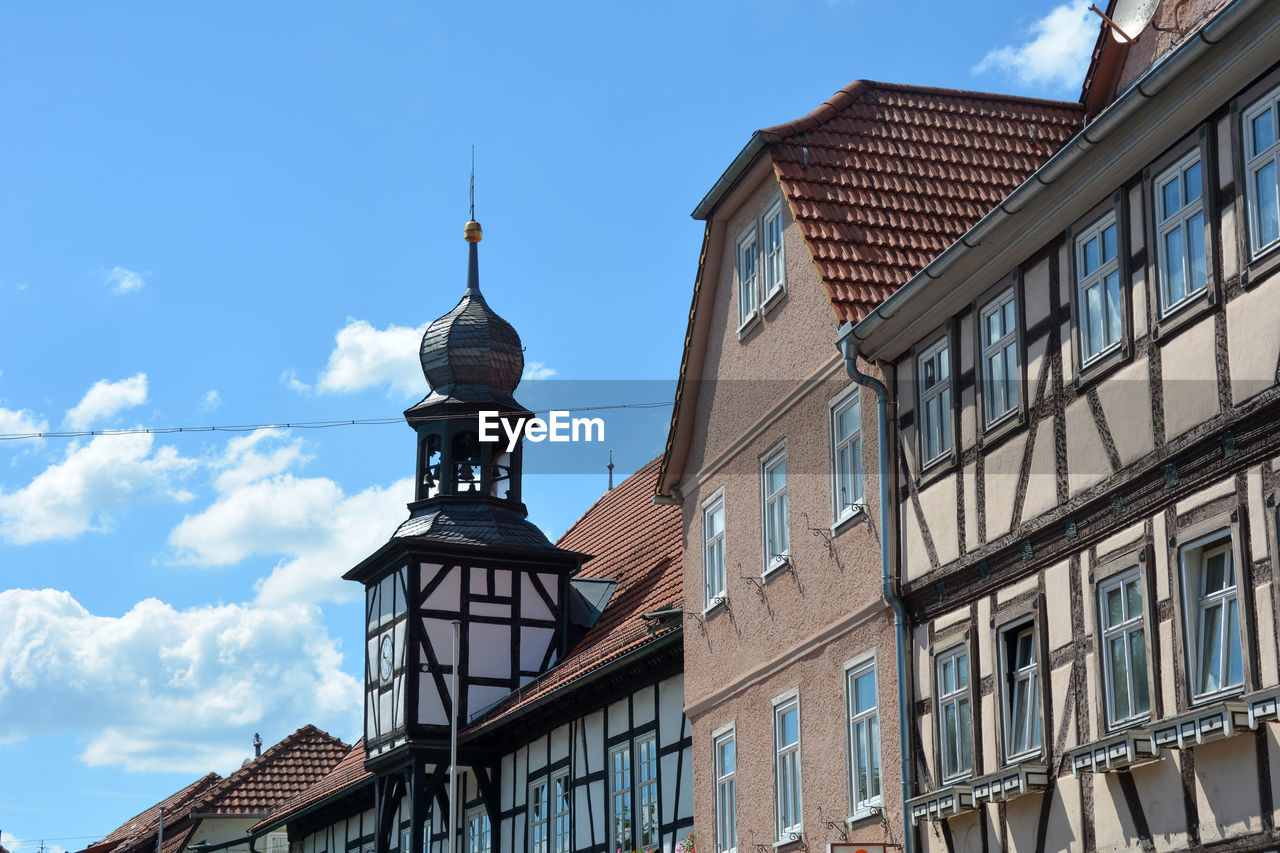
736, 170
1155, 80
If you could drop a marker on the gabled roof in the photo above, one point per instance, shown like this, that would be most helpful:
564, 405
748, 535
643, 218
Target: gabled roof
640, 545
343, 779
883, 177
140, 830
292, 765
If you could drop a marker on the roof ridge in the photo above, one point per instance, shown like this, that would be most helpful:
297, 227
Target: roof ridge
845, 97
609, 494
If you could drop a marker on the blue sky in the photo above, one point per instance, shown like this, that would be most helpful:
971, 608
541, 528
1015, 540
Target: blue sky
244, 213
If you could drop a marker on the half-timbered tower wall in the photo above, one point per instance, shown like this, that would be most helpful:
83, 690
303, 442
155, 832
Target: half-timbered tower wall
1088, 452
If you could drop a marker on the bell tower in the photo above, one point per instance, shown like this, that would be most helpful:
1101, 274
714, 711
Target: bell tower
467, 553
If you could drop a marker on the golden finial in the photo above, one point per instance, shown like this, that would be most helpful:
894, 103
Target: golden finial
472, 232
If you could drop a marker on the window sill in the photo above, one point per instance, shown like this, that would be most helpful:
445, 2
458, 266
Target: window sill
1185, 313
875, 811
936, 470
1261, 265
849, 519
1012, 782
1264, 706
749, 325
718, 604
774, 297
775, 569
794, 841
941, 804
1116, 751
1009, 422
1216, 721
1103, 363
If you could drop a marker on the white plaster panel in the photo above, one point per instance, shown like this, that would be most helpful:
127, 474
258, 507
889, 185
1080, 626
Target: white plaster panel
1160, 533
1273, 758
966, 834
1126, 403
990, 724
537, 754
1087, 462
1159, 787
619, 717
482, 608
1063, 830
585, 758
671, 703
1057, 590
642, 702
917, 557
439, 639
1209, 493
938, 503
531, 604
921, 662
970, 507
1265, 614
1000, 472
445, 596
1037, 351
533, 647
559, 745
1023, 818
1166, 666
1035, 291
1138, 276
1253, 347
1127, 537
1059, 690
1257, 515
479, 581
950, 618
1012, 591
1189, 378
1227, 216
1042, 487
968, 417
667, 788
1113, 828
508, 770
489, 650
981, 647
1228, 798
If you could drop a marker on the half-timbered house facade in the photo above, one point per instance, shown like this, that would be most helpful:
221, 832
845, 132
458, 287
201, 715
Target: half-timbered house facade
1085, 428
569, 689
791, 649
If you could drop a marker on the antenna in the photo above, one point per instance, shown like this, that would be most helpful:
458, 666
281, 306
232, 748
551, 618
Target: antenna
1128, 19
473, 183
610, 467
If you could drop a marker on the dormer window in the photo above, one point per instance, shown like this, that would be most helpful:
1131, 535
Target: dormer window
761, 265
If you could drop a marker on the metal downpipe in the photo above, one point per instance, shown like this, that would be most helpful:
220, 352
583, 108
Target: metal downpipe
848, 346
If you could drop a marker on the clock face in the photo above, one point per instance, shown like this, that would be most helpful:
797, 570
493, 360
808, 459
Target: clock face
385, 659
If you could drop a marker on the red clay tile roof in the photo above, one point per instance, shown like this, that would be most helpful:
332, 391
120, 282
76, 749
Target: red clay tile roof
882, 177
140, 830
636, 543
346, 775
292, 765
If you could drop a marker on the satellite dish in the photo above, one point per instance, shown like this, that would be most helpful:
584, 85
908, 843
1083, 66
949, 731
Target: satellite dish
1129, 18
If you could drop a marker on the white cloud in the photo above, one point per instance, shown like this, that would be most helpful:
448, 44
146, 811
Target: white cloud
90, 484
211, 400
105, 399
1056, 52
21, 422
317, 529
537, 370
159, 689
14, 844
124, 281
365, 357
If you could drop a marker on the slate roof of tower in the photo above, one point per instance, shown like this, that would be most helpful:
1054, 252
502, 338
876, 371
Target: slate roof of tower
474, 524
882, 177
472, 345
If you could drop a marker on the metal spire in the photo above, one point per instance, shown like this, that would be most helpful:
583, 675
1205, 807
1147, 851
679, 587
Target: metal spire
610, 466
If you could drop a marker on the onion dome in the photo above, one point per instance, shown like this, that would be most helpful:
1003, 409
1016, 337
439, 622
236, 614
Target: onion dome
471, 345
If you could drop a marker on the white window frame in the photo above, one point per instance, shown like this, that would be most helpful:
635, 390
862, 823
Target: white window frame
647, 826
775, 559
868, 721
714, 577
1255, 161
618, 794
1002, 348
748, 249
939, 353
1167, 222
1125, 630
1032, 738
1112, 338
846, 453
955, 759
539, 842
725, 803
478, 816
561, 819
768, 281
1197, 603
787, 768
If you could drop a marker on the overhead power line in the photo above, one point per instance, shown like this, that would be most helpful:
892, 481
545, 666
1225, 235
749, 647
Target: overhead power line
341, 422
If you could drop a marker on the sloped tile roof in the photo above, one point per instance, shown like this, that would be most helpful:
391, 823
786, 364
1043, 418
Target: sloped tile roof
292, 765
346, 775
883, 177
640, 545
140, 830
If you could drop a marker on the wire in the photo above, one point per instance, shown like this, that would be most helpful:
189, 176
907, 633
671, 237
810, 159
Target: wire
86, 433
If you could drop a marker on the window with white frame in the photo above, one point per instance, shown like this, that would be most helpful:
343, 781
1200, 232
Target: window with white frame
1021, 691
934, 369
846, 455
955, 744
620, 797
786, 740
539, 819
999, 357
1261, 133
1124, 653
726, 804
1213, 617
478, 831
773, 479
748, 276
864, 737
761, 263
1098, 308
713, 551
560, 801
1180, 249
647, 791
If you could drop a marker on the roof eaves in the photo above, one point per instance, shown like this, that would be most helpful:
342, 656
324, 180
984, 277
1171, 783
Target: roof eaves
729, 178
